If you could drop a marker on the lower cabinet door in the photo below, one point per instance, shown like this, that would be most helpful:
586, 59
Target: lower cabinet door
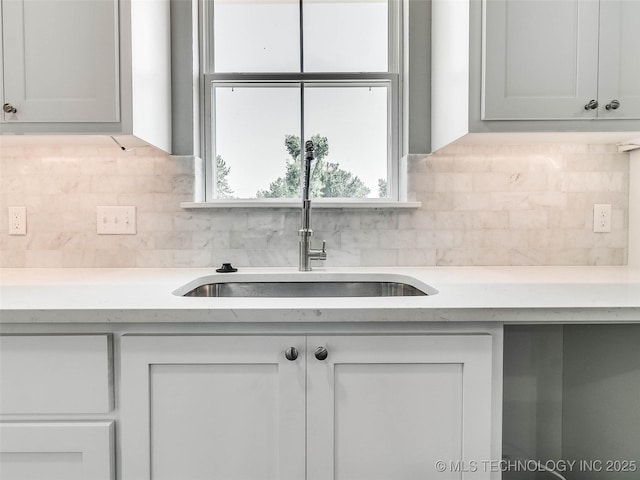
398, 407
56, 451
345, 407
213, 407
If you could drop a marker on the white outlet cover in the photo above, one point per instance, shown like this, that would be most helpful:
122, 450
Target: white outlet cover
17, 220
602, 218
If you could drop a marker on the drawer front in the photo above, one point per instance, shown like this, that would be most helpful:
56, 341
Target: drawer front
55, 374
57, 451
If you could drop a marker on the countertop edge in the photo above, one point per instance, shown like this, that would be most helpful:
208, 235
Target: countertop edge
510, 315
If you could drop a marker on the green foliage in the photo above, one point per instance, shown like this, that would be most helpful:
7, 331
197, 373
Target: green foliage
382, 188
223, 189
327, 178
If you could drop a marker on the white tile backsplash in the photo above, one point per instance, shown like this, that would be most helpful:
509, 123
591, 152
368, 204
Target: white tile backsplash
525, 204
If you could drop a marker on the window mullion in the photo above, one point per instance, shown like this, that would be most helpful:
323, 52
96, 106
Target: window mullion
301, 36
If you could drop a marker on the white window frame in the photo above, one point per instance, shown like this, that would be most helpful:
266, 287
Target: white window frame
393, 78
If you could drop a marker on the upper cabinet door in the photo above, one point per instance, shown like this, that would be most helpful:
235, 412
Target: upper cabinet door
619, 59
540, 59
61, 60
391, 407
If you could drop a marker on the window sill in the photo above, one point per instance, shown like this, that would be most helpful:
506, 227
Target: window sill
297, 204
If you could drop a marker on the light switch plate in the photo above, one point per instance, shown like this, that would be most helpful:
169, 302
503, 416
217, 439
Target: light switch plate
116, 220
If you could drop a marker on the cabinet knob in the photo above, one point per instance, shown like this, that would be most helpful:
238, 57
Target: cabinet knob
614, 105
8, 108
321, 353
291, 353
592, 105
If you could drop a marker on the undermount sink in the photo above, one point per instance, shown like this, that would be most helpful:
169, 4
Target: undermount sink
305, 286
305, 289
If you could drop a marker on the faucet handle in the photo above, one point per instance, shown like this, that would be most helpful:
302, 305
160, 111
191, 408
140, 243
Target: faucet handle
323, 253
315, 254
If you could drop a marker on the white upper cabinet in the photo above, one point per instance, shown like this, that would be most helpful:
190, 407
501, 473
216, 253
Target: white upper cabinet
151, 72
619, 59
61, 61
88, 66
541, 59
559, 59
501, 66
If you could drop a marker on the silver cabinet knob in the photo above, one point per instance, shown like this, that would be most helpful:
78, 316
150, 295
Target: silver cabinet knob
321, 353
8, 108
291, 353
614, 105
592, 105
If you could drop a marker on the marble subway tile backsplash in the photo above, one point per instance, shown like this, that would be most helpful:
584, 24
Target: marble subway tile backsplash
525, 204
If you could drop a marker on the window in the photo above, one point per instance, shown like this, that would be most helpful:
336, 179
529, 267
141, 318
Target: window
278, 71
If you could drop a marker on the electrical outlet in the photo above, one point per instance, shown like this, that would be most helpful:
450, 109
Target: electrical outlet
17, 220
116, 220
602, 218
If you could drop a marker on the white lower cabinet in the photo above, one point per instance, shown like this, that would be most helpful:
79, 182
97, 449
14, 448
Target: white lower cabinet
55, 374
240, 407
56, 401
56, 451
213, 407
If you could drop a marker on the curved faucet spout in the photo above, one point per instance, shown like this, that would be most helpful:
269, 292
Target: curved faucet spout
306, 252
309, 156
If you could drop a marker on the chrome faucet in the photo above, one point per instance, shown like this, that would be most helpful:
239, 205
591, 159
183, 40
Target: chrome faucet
306, 252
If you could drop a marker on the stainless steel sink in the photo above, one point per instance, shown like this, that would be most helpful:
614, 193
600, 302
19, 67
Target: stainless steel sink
307, 284
306, 289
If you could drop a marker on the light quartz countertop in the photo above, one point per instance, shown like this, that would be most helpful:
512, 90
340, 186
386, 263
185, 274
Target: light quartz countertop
464, 294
